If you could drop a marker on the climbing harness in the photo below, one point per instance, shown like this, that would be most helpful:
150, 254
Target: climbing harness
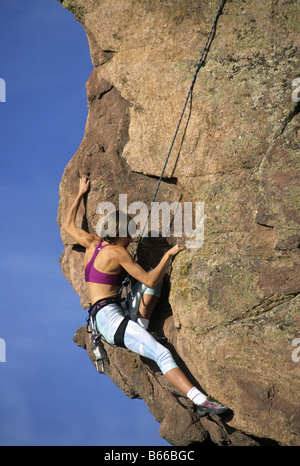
124, 292
98, 348
91, 327
96, 337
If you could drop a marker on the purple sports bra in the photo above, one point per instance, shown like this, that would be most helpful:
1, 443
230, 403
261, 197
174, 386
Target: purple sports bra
95, 276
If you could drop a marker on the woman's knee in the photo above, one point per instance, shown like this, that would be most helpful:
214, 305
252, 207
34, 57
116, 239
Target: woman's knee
154, 291
166, 361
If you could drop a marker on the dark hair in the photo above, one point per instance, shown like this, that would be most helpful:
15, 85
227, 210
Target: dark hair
119, 219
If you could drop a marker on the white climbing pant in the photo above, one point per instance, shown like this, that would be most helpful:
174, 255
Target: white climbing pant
136, 338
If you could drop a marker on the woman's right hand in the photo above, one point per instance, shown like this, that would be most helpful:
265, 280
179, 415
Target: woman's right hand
176, 249
84, 185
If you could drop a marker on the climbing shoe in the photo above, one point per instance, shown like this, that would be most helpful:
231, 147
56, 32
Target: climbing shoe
211, 406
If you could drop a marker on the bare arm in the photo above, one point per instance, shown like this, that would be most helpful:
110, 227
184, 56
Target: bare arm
152, 278
81, 236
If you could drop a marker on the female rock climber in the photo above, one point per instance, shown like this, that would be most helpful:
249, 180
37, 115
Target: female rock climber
106, 260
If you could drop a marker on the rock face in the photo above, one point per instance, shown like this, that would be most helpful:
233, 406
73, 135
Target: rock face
230, 309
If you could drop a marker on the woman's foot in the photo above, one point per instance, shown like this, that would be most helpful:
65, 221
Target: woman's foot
211, 406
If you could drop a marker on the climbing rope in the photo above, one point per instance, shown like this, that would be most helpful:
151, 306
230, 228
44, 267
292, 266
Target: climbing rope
200, 63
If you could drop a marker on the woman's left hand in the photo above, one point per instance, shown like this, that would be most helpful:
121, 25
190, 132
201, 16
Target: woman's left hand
176, 249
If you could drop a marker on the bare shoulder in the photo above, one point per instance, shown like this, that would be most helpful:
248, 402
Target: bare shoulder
93, 244
119, 251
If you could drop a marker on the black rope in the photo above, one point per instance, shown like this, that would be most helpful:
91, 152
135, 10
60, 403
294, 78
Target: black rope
200, 63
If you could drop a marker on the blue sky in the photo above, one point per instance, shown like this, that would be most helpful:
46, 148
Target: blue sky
50, 393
